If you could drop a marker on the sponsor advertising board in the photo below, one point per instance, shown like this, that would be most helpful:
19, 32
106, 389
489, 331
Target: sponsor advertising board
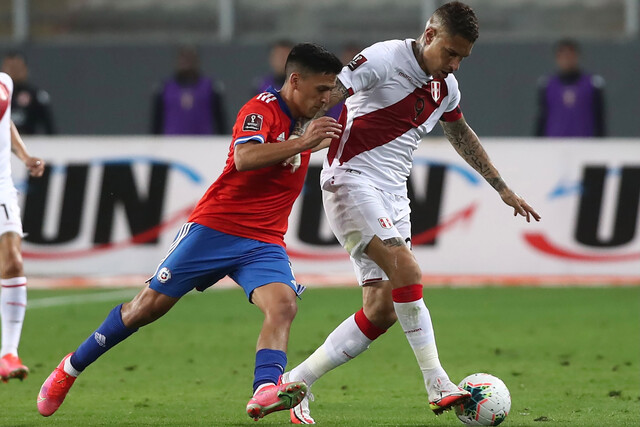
112, 205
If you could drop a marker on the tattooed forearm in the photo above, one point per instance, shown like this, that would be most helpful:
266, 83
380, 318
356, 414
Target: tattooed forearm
497, 183
467, 144
394, 241
338, 94
300, 126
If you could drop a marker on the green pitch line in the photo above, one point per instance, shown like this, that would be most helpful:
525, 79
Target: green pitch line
569, 356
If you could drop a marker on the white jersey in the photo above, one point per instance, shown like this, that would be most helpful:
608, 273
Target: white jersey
393, 104
6, 90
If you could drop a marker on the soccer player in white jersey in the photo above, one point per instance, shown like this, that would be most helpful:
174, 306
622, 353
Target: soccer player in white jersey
396, 91
13, 296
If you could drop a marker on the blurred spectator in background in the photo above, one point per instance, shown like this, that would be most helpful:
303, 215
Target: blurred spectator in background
189, 103
277, 60
348, 52
570, 103
30, 106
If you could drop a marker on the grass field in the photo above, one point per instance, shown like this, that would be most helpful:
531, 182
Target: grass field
570, 356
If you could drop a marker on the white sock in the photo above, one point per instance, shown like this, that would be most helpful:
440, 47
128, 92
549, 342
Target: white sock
416, 323
69, 369
343, 344
260, 387
13, 303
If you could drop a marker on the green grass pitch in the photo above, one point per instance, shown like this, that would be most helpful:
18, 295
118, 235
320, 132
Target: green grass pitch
569, 356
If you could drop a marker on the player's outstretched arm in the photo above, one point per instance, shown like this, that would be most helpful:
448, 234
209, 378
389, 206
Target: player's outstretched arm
34, 164
467, 144
250, 156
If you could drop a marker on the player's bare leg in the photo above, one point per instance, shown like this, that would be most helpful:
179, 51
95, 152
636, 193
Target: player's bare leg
397, 261
13, 303
351, 338
121, 322
278, 303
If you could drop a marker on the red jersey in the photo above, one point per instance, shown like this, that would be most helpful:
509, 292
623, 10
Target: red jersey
255, 204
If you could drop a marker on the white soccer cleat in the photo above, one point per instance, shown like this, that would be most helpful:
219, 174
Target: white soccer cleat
300, 414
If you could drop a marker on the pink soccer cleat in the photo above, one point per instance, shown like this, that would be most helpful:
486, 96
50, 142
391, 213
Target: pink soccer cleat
11, 367
444, 395
272, 398
55, 389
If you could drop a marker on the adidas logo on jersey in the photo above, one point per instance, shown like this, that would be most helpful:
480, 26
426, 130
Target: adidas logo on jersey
280, 137
100, 339
266, 97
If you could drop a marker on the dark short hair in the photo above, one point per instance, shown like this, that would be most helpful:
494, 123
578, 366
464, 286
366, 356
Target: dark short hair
16, 54
459, 19
282, 43
313, 58
567, 44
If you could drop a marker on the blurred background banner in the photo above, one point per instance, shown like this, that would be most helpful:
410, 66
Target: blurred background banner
110, 206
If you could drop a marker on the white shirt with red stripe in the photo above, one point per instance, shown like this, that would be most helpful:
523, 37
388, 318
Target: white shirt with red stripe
6, 89
393, 104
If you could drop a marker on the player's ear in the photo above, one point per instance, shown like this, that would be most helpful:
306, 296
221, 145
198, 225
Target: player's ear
430, 35
294, 79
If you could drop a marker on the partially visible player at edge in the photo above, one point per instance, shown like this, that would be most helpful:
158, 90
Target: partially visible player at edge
396, 91
13, 296
237, 229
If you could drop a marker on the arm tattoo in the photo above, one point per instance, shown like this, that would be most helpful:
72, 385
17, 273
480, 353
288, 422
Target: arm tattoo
300, 126
394, 241
338, 94
467, 144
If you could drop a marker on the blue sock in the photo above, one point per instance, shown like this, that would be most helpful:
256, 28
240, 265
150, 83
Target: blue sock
110, 333
270, 365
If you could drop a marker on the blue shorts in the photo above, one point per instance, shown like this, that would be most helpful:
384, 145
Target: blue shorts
200, 256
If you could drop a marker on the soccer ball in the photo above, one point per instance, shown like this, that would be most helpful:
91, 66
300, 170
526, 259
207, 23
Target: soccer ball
489, 404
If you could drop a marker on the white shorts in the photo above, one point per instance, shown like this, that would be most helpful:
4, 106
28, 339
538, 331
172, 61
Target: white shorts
10, 219
357, 213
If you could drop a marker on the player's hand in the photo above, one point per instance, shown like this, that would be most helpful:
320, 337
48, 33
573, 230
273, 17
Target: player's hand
520, 207
320, 129
294, 161
35, 166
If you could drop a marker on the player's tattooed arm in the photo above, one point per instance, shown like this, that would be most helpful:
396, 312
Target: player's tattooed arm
338, 94
467, 144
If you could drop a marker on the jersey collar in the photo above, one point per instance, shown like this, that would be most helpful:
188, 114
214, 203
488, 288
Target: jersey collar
414, 63
283, 106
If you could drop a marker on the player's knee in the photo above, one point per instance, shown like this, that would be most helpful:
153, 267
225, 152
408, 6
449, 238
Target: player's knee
12, 265
284, 311
407, 272
141, 312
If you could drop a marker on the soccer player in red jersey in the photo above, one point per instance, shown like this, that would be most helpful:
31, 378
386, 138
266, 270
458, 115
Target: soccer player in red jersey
237, 230
396, 92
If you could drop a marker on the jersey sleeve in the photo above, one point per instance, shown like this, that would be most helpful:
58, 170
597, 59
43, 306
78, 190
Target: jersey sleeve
7, 81
367, 68
253, 122
453, 111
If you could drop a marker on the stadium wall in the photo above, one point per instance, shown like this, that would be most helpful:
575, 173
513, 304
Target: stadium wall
106, 88
110, 206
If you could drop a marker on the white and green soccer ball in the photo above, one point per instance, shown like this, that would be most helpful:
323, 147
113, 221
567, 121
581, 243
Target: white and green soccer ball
489, 404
